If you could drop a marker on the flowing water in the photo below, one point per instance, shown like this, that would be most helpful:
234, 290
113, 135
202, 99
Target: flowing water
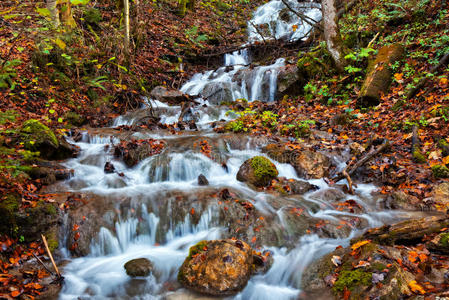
148, 211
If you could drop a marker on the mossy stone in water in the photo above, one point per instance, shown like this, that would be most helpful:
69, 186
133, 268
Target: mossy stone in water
258, 171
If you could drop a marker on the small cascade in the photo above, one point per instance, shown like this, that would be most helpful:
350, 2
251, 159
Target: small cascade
157, 210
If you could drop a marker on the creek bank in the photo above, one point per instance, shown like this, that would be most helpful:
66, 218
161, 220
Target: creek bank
404, 259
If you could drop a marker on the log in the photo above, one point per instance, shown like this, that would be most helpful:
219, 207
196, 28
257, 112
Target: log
379, 75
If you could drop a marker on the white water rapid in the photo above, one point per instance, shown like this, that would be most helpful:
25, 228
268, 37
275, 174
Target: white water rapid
147, 211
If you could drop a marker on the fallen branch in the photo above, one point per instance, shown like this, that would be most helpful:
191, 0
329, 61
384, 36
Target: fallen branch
350, 169
42, 263
443, 62
51, 256
303, 17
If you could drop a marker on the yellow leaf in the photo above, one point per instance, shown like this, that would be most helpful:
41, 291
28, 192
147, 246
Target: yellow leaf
360, 244
60, 43
415, 287
398, 76
295, 27
345, 137
443, 82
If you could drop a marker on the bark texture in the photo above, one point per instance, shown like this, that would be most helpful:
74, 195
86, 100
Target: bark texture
332, 33
54, 13
378, 78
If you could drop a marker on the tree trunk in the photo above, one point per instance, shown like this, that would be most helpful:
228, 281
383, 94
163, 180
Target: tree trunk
182, 7
54, 13
332, 34
126, 13
66, 13
378, 77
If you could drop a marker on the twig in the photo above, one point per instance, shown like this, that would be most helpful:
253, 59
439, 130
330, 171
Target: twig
348, 178
443, 62
51, 256
303, 17
349, 170
258, 31
42, 263
373, 40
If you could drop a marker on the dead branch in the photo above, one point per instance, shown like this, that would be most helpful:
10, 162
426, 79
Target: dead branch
350, 169
42, 263
303, 17
258, 31
443, 62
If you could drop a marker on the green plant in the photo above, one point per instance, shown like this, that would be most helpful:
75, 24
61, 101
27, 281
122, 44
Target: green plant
269, 119
8, 72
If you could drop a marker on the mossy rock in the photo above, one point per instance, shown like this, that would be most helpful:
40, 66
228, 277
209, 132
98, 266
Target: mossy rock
259, 171
440, 171
9, 206
444, 240
315, 63
74, 119
418, 156
351, 279
35, 134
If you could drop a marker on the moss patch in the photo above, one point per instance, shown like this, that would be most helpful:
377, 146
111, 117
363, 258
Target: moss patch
418, 156
195, 249
352, 279
263, 168
440, 171
34, 134
444, 240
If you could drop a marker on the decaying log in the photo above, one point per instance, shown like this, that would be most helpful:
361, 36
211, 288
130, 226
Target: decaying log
378, 78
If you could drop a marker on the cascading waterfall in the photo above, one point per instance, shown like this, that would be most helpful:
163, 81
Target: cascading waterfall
151, 224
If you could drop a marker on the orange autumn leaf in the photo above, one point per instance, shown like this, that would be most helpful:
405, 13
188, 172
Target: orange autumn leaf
15, 293
415, 287
360, 244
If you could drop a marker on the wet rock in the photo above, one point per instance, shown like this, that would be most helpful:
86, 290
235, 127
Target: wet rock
132, 152
49, 172
402, 200
439, 243
329, 195
202, 180
170, 96
441, 194
293, 186
290, 81
140, 267
217, 92
263, 262
38, 137
307, 162
219, 268
258, 171
109, 168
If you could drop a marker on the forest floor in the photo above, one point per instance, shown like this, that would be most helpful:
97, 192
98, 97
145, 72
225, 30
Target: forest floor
82, 77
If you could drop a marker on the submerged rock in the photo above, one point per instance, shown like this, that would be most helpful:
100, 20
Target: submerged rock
293, 186
139, 267
258, 171
219, 268
202, 180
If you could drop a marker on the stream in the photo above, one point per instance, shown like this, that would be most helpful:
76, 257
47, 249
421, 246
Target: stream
157, 210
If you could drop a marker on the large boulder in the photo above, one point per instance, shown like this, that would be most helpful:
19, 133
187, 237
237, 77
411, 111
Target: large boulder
139, 267
259, 171
38, 137
290, 81
219, 268
132, 152
307, 162
170, 96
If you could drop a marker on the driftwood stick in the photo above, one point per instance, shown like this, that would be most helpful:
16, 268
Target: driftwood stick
443, 62
42, 263
51, 256
351, 169
348, 178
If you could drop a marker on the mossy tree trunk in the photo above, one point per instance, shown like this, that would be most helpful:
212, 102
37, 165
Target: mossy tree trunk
332, 34
126, 14
66, 13
378, 78
183, 5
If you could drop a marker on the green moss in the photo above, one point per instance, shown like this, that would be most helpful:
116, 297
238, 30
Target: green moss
444, 240
34, 134
378, 266
92, 16
74, 119
9, 206
263, 168
7, 116
352, 279
195, 249
418, 156
444, 146
440, 171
